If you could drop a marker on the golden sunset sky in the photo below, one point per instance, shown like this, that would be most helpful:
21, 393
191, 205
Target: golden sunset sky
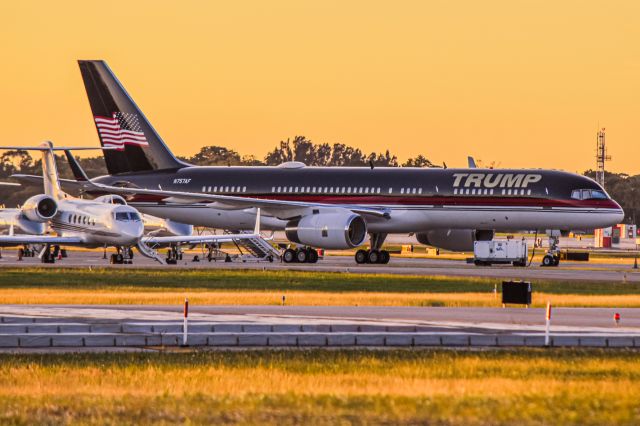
522, 83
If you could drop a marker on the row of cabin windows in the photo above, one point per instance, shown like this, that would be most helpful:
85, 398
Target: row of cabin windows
326, 189
235, 189
81, 220
361, 190
314, 189
485, 191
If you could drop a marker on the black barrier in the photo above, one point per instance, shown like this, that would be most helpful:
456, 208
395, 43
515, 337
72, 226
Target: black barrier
516, 292
581, 256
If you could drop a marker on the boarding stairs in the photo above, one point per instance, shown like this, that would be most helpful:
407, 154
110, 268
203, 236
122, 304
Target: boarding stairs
259, 248
150, 252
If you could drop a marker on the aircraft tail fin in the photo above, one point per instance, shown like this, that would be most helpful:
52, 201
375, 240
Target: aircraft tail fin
122, 125
78, 172
50, 174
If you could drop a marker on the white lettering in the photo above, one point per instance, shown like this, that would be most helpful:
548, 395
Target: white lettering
531, 179
474, 179
458, 177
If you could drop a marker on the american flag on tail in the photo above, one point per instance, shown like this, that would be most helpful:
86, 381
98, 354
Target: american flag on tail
121, 129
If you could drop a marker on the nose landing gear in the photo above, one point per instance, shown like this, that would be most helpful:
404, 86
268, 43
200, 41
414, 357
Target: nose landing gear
124, 256
552, 257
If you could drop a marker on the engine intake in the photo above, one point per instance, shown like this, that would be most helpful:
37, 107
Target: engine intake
40, 208
336, 231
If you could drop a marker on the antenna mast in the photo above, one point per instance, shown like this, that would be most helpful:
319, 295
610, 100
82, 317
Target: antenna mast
601, 156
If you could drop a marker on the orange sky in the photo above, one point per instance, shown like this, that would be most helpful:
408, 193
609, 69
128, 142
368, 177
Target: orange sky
524, 83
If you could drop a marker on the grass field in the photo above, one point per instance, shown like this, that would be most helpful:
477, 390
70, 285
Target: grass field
572, 387
154, 286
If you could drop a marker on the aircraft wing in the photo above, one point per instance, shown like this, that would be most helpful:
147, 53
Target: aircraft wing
282, 209
66, 184
8, 240
198, 239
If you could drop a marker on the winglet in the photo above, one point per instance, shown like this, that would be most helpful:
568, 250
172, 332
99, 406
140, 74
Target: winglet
256, 230
78, 173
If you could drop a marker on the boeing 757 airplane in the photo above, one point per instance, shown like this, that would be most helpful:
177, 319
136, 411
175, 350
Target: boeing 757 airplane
334, 207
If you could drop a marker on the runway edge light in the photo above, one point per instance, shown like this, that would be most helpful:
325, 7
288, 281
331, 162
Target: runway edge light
185, 325
547, 324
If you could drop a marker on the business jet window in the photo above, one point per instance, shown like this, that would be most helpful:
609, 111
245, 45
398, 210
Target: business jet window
589, 194
127, 216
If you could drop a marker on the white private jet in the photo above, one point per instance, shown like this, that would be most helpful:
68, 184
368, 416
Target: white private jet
104, 221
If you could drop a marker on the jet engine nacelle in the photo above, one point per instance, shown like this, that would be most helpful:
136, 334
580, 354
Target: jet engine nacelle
111, 199
338, 231
40, 208
454, 239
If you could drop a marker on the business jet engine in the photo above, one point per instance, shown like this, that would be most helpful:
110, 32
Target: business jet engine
40, 208
331, 230
454, 239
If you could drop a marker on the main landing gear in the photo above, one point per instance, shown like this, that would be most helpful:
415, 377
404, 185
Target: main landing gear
374, 255
300, 255
49, 256
552, 258
174, 254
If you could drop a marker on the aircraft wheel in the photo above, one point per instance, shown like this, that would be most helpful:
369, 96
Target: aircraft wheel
547, 260
301, 256
385, 257
289, 256
313, 256
556, 261
374, 256
361, 257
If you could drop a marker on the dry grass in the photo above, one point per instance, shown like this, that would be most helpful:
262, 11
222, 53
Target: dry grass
313, 387
300, 298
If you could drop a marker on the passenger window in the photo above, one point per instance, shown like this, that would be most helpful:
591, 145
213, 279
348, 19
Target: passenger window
402, 191
419, 190
209, 189
204, 188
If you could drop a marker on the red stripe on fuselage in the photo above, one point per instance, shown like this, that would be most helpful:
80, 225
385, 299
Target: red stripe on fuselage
419, 201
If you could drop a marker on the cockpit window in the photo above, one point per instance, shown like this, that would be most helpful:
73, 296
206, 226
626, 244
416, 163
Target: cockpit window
589, 194
126, 216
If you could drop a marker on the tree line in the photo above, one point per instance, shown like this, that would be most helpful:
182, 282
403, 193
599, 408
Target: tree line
620, 186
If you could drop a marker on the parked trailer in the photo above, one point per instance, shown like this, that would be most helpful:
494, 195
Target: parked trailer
486, 253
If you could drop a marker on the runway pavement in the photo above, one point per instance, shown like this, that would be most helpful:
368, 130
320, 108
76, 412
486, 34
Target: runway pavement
107, 327
399, 265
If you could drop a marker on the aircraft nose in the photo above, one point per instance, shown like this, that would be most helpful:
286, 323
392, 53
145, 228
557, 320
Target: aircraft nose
134, 230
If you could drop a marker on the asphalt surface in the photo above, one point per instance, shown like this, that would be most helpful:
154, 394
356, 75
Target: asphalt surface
582, 271
460, 319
